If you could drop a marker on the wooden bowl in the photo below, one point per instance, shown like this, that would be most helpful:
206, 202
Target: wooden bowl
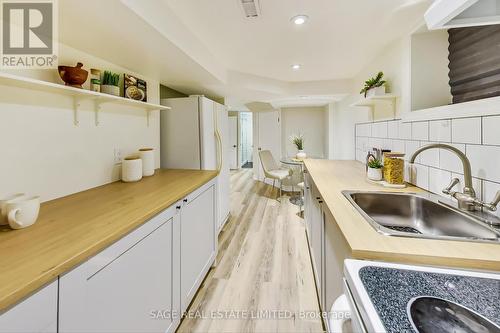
73, 76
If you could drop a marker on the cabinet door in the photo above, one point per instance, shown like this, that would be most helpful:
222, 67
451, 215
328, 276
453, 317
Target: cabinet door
35, 314
336, 251
198, 242
126, 288
308, 204
317, 245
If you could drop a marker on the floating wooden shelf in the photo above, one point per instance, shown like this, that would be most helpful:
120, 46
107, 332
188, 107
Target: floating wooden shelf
373, 101
78, 95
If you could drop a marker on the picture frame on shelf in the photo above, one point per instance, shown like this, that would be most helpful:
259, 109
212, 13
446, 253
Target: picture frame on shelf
134, 88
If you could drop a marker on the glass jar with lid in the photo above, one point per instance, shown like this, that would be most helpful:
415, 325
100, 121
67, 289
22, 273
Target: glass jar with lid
394, 166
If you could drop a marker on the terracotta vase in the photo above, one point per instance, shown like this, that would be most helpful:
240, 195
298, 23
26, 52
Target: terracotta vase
73, 76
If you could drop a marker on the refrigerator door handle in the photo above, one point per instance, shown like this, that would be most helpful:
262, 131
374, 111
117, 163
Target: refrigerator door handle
219, 150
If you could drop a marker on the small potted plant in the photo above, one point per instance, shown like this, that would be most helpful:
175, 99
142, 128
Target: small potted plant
375, 169
298, 141
110, 83
374, 86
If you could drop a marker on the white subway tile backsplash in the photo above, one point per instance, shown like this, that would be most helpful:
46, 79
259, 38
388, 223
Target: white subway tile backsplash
450, 161
364, 129
438, 180
420, 130
491, 130
429, 157
362, 143
435, 168
398, 146
466, 130
485, 161
404, 130
490, 189
410, 148
379, 130
419, 175
440, 130
393, 129
376, 143
360, 155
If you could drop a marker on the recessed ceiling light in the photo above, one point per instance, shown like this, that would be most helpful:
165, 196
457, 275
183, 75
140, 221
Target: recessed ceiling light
299, 19
296, 67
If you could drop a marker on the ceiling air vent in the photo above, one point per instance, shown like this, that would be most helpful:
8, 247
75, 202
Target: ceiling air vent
251, 8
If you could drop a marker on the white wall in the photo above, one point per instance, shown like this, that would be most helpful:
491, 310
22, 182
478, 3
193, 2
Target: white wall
309, 121
429, 70
394, 62
44, 153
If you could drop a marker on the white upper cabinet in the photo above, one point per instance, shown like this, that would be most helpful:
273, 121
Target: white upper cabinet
35, 314
446, 14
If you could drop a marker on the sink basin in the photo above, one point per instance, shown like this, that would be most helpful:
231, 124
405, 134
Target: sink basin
413, 215
430, 315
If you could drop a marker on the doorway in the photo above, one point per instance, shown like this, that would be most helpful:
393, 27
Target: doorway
246, 140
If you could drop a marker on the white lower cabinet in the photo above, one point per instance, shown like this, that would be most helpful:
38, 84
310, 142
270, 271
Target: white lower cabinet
144, 281
35, 314
123, 288
327, 246
198, 242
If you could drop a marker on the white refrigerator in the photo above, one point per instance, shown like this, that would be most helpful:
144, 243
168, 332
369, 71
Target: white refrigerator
194, 135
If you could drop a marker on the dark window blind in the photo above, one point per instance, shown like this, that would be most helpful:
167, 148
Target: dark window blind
474, 55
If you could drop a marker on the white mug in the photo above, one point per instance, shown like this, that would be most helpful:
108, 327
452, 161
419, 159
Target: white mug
23, 213
3, 206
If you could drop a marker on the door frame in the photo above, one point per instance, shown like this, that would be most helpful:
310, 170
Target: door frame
238, 166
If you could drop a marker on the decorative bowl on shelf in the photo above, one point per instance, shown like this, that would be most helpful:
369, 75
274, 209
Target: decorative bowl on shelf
73, 76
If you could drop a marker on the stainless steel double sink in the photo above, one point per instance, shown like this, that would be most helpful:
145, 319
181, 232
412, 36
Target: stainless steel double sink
420, 216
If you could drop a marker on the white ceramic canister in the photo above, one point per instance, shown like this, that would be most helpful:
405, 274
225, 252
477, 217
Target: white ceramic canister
3, 206
131, 169
148, 161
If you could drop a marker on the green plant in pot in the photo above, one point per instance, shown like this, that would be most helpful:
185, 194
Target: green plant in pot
298, 141
110, 83
375, 169
374, 86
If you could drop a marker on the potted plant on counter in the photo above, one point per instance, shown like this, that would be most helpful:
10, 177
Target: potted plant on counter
110, 83
298, 141
374, 86
374, 169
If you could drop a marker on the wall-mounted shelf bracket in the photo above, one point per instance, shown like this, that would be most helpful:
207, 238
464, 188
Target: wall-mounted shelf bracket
97, 110
76, 106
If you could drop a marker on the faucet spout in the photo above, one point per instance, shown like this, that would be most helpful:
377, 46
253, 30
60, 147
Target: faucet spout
468, 188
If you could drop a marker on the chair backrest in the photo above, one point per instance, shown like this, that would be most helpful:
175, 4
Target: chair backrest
267, 161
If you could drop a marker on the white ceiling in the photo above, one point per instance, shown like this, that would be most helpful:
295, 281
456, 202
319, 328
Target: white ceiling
208, 47
340, 37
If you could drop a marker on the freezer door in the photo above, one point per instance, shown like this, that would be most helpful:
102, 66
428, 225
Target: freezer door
180, 135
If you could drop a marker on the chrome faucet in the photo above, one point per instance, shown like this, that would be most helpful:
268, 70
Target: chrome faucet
467, 199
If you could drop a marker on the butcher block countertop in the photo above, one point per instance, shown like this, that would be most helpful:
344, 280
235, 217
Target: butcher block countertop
72, 229
333, 177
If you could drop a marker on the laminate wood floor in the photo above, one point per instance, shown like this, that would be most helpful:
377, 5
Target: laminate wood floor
263, 281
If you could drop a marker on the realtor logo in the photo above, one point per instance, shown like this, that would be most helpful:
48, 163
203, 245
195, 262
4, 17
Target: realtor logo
28, 31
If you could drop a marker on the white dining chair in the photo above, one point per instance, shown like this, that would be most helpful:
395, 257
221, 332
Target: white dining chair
272, 169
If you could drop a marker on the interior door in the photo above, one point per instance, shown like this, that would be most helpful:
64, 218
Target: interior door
267, 127
233, 142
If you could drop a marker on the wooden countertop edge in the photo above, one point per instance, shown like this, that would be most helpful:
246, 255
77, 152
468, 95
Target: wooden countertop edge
12, 299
